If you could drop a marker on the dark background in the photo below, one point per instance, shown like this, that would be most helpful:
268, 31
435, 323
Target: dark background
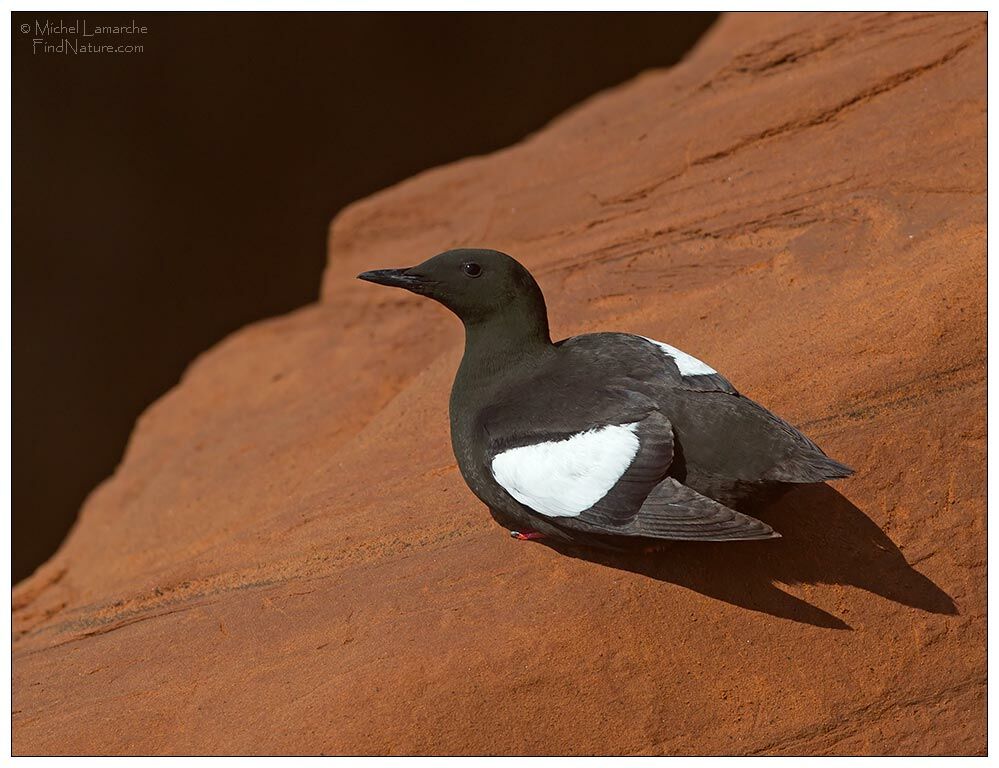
163, 199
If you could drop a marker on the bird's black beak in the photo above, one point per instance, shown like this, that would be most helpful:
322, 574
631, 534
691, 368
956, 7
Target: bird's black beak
399, 278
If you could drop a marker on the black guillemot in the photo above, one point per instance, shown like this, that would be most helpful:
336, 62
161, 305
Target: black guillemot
608, 440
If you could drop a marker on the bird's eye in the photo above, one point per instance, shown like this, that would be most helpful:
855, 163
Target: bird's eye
471, 269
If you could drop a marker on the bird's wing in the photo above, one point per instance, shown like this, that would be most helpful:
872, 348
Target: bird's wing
611, 479
674, 511
604, 472
596, 458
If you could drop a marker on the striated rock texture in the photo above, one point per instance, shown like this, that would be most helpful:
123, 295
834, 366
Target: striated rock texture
287, 560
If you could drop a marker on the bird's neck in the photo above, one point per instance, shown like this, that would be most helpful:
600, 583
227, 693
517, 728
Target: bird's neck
504, 341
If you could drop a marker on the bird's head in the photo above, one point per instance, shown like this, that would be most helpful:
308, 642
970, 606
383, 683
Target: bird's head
477, 284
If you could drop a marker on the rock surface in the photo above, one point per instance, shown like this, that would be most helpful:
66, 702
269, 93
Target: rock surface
287, 560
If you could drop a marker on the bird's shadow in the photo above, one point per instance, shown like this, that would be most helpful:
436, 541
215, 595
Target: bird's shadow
826, 540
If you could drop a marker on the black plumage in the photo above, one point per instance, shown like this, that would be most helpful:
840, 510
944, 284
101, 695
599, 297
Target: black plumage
702, 449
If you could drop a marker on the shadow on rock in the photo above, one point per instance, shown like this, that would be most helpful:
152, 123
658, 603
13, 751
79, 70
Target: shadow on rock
826, 540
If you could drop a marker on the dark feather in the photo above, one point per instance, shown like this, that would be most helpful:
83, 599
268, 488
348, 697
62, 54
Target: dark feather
674, 511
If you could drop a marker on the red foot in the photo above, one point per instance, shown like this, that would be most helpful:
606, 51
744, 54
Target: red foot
526, 535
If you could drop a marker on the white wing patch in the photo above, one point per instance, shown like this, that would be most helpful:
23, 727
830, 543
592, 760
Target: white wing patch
688, 365
566, 477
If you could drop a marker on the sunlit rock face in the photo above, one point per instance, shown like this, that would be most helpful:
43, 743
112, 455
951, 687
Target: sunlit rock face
287, 560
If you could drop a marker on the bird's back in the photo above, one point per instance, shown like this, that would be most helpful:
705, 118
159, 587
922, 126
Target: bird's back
729, 447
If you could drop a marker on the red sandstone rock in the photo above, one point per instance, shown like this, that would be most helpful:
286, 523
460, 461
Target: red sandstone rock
287, 560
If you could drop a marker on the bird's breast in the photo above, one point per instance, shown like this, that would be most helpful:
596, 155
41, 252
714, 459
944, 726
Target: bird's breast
469, 445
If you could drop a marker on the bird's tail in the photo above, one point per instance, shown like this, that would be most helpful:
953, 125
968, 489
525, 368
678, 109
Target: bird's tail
810, 467
834, 470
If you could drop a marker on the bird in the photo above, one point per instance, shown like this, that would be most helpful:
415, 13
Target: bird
607, 440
